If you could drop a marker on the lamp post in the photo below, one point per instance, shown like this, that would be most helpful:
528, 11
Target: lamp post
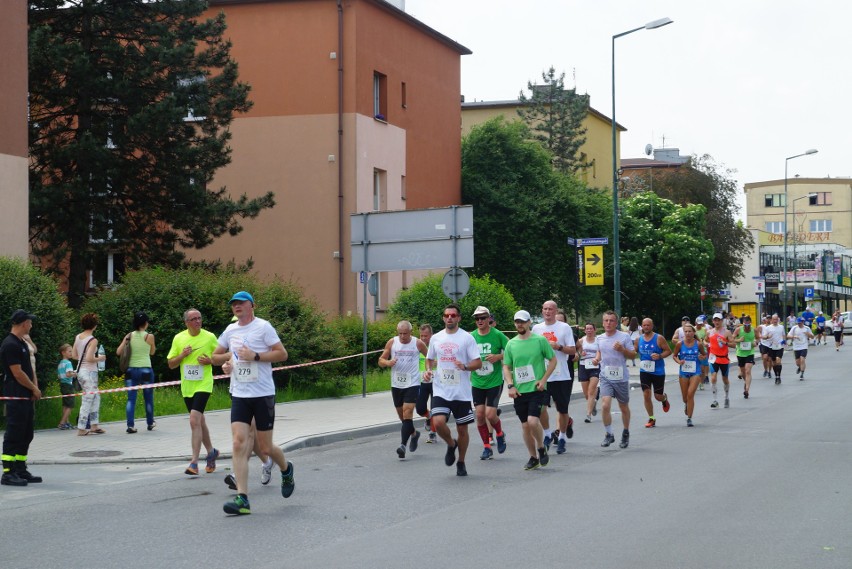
616, 255
786, 161
795, 257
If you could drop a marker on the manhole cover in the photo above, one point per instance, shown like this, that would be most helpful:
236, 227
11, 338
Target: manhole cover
96, 453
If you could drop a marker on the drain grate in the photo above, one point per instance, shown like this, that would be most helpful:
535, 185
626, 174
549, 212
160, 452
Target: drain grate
96, 453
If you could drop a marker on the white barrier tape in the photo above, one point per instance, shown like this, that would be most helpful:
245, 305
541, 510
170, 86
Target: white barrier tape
178, 382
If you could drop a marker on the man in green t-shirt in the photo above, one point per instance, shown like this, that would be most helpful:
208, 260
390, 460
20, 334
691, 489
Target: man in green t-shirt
746, 338
191, 351
526, 376
487, 382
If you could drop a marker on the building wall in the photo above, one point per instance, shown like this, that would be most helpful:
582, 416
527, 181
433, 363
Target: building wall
598, 145
14, 180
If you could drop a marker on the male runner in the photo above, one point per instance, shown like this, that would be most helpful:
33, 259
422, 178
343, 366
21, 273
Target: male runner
820, 328
452, 355
402, 355
425, 392
763, 346
746, 339
614, 348
774, 335
801, 336
718, 340
703, 362
561, 381
487, 381
652, 349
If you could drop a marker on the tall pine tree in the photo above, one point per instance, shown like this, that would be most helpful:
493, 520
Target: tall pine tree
130, 103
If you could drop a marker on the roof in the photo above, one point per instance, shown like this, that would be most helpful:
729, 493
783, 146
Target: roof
381, 4
797, 180
516, 103
648, 163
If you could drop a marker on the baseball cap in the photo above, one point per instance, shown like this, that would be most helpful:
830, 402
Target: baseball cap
699, 320
481, 310
685, 319
20, 316
242, 295
522, 315
800, 319
717, 315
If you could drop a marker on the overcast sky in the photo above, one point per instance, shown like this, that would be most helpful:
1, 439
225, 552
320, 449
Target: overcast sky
749, 82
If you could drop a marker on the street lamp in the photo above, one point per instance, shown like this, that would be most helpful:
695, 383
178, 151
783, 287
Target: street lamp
786, 160
795, 257
616, 270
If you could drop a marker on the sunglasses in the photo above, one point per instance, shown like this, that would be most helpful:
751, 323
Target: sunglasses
481, 317
451, 315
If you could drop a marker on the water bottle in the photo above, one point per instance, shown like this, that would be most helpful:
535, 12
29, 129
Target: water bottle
102, 363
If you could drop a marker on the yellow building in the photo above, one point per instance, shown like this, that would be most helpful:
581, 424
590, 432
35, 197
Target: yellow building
598, 145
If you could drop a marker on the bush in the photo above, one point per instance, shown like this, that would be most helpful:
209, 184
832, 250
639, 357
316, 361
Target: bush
24, 286
424, 302
350, 333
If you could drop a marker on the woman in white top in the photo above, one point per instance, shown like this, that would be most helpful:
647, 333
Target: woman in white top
589, 373
86, 351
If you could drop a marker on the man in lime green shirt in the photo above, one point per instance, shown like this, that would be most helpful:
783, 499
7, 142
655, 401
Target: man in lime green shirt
191, 351
487, 382
526, 376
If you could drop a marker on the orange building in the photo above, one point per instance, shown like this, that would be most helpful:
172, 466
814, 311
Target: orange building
356, 108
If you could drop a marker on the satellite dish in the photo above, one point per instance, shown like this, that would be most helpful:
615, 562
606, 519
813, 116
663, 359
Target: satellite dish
648, 149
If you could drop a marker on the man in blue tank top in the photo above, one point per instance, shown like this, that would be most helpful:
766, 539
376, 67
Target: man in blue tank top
652, 349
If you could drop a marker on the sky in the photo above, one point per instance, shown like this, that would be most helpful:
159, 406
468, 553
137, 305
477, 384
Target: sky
749, 82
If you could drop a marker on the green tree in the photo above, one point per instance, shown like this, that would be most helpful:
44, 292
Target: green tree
524, 212
703, 181
664, 256
130, 103
555, 117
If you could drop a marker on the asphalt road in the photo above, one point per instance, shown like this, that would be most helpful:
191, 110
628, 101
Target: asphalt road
765, 483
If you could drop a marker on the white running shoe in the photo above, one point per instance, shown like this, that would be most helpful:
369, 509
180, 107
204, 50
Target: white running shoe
266, 471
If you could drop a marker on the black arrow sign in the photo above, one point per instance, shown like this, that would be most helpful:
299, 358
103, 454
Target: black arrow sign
594, 259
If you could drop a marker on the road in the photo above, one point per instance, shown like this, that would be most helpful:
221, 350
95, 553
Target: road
765, 483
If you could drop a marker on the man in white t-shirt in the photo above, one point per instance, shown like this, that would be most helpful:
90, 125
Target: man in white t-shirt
561, 382
774, 336
614, 349
453, 354
801, 336
252, 344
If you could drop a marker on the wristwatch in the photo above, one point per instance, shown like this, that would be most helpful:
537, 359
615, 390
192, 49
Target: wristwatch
256, 357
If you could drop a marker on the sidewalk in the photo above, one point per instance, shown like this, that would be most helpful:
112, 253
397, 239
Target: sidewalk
298, 425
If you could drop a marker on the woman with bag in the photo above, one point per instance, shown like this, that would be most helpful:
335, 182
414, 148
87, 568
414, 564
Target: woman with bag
139, 371
86, 352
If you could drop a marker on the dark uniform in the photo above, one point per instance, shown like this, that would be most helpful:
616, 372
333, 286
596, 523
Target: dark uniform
20, 414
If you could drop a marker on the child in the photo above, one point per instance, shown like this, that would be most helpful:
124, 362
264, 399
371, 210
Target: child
66, 374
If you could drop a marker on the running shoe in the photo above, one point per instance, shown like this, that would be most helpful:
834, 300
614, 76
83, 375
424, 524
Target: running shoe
727, 403
543, 459
231, 482
666, 404
192, 469
701, 387
487, 454
745, 394
739, 376
266, 471
153, 426
288, 482
608, 440
714, 405
651, 423
588, 418
689, 423
501, 443
239, 506
433, 438
625, 439
560, 446
461, 470
400, 451
569, 431
130, 430
211, 461
547, 441
532, 464
450, 457
802, 376
777, 381
412, 443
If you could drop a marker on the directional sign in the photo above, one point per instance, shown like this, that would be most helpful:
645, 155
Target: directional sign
593, 265
593, 241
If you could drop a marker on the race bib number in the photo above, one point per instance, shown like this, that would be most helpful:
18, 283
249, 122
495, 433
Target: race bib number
774, 346
245, 372
614, 373
401, 380
688, 367
589, 363
449, 376
647, 365
524, 374
745, 346
486, 369
193, 373
711, 358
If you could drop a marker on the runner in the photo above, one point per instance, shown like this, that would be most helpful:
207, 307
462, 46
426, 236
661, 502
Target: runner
526, 377
678, 334
402, 355
801, 336
764, 347
837, 330
652, 349
809, 316
718, 340
589, 372
687, 354
614, 348
487, 381
425, 392
561, 382
453, 354
746, 338
703, 362
774, 335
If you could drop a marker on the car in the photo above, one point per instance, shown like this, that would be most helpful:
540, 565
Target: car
847, 322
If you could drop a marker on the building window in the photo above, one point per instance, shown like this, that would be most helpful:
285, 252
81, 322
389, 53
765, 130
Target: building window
380, 96
775, 227
191, 89
379, 190
821, 198
820, 225
775, 200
